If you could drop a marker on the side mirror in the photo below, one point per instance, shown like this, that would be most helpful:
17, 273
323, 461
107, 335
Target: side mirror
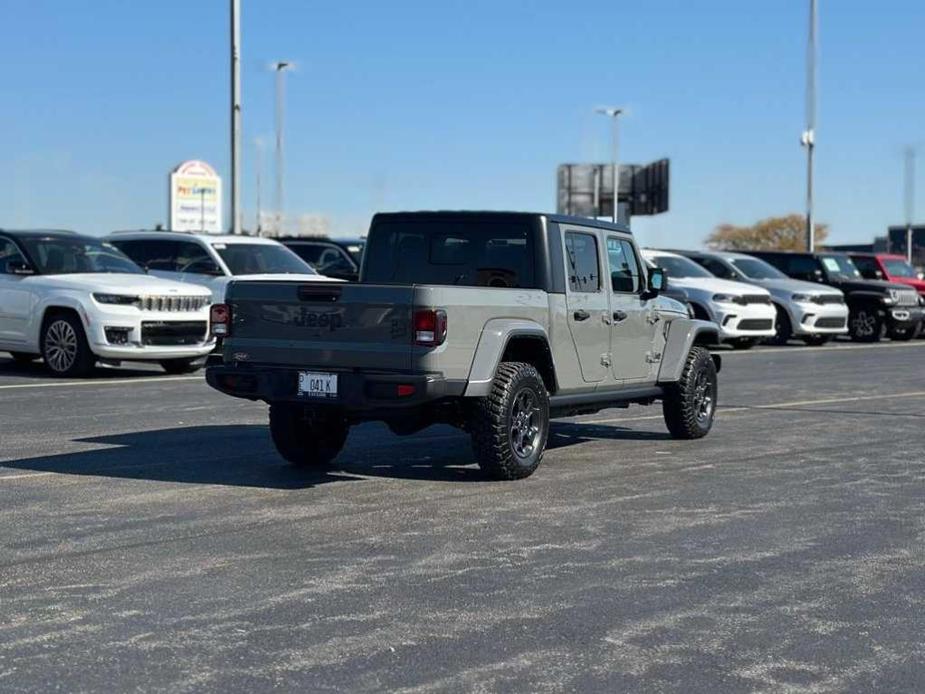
18, 267
657, 283
878, 274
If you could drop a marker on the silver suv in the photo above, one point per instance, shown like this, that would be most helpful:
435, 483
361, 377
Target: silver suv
808, 311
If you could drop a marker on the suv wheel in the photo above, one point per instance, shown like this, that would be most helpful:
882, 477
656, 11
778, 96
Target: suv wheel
181, 366
865, 325
64, 346
509, 427
783, 331
689, 405
304, 438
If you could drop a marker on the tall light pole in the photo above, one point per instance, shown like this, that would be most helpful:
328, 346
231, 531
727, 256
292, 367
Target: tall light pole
909, 185
809, 135
280, 67
258, 160
614, 115
235, 117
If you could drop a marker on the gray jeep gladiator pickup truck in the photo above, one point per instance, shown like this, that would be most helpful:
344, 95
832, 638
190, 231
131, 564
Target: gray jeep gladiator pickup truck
489, 321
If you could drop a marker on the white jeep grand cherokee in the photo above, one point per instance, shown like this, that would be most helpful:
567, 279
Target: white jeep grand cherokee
74, 300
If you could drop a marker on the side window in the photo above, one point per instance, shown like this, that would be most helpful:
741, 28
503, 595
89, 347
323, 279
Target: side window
716, 267
150, 254
194, 259
867, 266
802, 267
624, 268
309, 252
583, 262
9, 253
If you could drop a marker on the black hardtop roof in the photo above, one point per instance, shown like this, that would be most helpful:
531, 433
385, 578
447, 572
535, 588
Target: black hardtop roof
502, 215
40, 233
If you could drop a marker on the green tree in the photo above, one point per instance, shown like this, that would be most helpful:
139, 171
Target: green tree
771, 234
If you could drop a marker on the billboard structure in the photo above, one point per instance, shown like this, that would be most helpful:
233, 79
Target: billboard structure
195, 198
586, 190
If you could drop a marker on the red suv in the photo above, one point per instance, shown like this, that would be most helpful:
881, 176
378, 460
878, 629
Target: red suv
893, 268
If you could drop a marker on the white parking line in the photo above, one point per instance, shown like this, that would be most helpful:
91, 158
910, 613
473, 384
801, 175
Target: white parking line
773, 406
109, 382
833, 348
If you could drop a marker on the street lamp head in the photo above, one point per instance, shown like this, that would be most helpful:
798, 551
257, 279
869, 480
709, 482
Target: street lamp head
610, 111
281, 65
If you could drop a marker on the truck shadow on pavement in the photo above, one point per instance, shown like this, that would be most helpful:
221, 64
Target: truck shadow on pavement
35, 370
243, 456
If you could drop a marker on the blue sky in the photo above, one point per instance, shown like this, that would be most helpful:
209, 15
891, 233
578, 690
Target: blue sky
459, 104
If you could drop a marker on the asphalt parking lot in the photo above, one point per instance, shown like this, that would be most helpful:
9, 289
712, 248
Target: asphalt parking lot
152, 539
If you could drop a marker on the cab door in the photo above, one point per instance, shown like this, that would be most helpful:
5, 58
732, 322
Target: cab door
636, 341
587, 302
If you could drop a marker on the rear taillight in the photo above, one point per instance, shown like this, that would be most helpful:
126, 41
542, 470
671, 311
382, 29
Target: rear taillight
220, 320
429, 327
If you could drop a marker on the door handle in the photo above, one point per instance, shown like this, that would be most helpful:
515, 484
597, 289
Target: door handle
620, 316
581, 315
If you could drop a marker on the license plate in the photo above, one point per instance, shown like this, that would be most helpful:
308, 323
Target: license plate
317, 385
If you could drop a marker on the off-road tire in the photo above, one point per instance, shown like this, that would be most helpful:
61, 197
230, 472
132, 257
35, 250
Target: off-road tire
181, 366
304, 438
682, 405
784, 328
54, 328
24, 357
494, 419
861, 320
816, 340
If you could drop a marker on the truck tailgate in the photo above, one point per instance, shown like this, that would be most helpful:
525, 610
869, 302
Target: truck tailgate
323, 325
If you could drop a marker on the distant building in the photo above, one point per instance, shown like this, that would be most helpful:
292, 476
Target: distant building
897, 237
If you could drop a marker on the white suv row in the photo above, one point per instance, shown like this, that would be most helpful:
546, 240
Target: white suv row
75, 300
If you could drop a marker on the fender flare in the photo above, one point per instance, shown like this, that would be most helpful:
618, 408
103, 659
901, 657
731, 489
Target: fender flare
684, 333
495, 336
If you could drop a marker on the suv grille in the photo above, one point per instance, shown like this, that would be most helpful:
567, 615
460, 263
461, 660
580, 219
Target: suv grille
173, 303
165, 333
756, 324
905, 298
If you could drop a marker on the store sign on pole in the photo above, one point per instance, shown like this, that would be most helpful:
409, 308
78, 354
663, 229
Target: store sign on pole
195, 198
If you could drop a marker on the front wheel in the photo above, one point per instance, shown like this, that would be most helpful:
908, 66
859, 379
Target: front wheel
510, 426
306, 438
64, 346
181, 366
689, 406
865, 325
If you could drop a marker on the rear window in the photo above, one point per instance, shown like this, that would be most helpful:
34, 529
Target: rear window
451, 252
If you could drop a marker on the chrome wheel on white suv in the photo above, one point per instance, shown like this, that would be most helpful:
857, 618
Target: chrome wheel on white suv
64, 346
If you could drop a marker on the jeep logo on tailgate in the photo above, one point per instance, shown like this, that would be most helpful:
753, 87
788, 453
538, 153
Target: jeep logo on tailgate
331, 320
303, 317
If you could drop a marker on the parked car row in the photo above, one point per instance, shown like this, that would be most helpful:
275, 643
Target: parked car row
76, 300
812, 297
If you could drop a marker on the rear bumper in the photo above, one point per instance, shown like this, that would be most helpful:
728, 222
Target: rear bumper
356, 391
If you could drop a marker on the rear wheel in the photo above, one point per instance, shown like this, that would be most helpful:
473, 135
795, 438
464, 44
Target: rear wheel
689, 405
64, 346
24, 358
306, 438
783, 330
865, 324
509, 427
816, 340
181, 366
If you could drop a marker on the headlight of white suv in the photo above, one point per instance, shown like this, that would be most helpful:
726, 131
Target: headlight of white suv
118, 299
